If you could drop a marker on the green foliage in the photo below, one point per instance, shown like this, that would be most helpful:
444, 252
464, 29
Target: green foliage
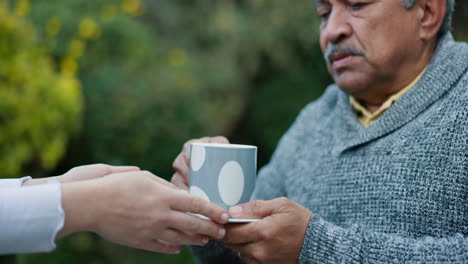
182, 69
39, 108
460, 30
144, 96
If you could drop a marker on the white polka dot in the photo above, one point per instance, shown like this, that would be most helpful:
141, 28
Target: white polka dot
194, 190
197, 157
231, 183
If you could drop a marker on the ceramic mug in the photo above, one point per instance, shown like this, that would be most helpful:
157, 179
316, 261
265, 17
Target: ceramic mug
223, 174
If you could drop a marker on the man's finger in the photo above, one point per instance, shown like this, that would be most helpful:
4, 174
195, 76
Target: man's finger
242, 233
182, 167
197, 205
186, 151
187, 147
254, 209
179, 182
180, 163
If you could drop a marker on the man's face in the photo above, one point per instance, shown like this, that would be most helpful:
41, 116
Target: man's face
368, 44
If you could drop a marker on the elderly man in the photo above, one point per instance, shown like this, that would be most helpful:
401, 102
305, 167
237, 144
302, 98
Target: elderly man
376, 170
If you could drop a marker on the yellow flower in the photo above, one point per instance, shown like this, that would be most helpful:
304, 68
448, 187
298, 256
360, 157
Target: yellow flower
76, 48
177, 58
108, 13
89, 29
132, 7
22, 7
68, 66
53, 27
70, 88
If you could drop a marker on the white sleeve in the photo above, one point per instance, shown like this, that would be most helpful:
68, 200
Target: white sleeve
30, 218
13, 183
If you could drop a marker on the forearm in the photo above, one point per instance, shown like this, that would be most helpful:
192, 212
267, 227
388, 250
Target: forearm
327, 243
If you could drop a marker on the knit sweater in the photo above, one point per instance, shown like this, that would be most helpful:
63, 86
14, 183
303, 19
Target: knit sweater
395, 192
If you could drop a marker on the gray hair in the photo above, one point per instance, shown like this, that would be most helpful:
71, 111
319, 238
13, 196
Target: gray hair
446, 24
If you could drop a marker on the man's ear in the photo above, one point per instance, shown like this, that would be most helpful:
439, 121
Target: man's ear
431, 16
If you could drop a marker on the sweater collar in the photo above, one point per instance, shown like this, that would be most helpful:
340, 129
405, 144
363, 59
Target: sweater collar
447, 65
367, 118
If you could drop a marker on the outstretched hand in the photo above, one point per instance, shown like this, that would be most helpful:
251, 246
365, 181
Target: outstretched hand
276, 239
140, 210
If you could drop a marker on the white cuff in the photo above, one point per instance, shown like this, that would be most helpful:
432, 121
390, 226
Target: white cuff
30, 218
13, 183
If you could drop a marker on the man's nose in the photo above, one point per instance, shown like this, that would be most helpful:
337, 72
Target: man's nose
337, 27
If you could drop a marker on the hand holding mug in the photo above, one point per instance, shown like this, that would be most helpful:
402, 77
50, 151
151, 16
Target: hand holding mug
276, 239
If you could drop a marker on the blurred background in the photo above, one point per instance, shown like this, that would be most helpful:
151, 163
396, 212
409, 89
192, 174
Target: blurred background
127, 82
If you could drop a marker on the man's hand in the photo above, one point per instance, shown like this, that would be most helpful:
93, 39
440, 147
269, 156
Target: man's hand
140, 210
83, 173
276, 239
182, 162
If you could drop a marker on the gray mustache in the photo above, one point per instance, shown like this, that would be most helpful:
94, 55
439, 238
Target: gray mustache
334, 48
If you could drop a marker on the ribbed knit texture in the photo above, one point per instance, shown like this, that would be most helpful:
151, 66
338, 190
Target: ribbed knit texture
395, 192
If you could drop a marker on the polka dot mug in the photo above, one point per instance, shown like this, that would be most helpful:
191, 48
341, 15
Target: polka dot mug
224, 174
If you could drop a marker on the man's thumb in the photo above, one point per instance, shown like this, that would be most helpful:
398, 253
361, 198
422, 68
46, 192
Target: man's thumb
253, 209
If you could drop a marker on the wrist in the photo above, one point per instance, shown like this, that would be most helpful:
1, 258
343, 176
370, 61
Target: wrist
323, 238
80, 207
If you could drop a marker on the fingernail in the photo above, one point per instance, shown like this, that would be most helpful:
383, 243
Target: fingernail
236, 210
204, 241
224, 218
221, 233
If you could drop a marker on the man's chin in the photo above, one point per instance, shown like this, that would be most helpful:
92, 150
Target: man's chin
350, 83
352, 88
